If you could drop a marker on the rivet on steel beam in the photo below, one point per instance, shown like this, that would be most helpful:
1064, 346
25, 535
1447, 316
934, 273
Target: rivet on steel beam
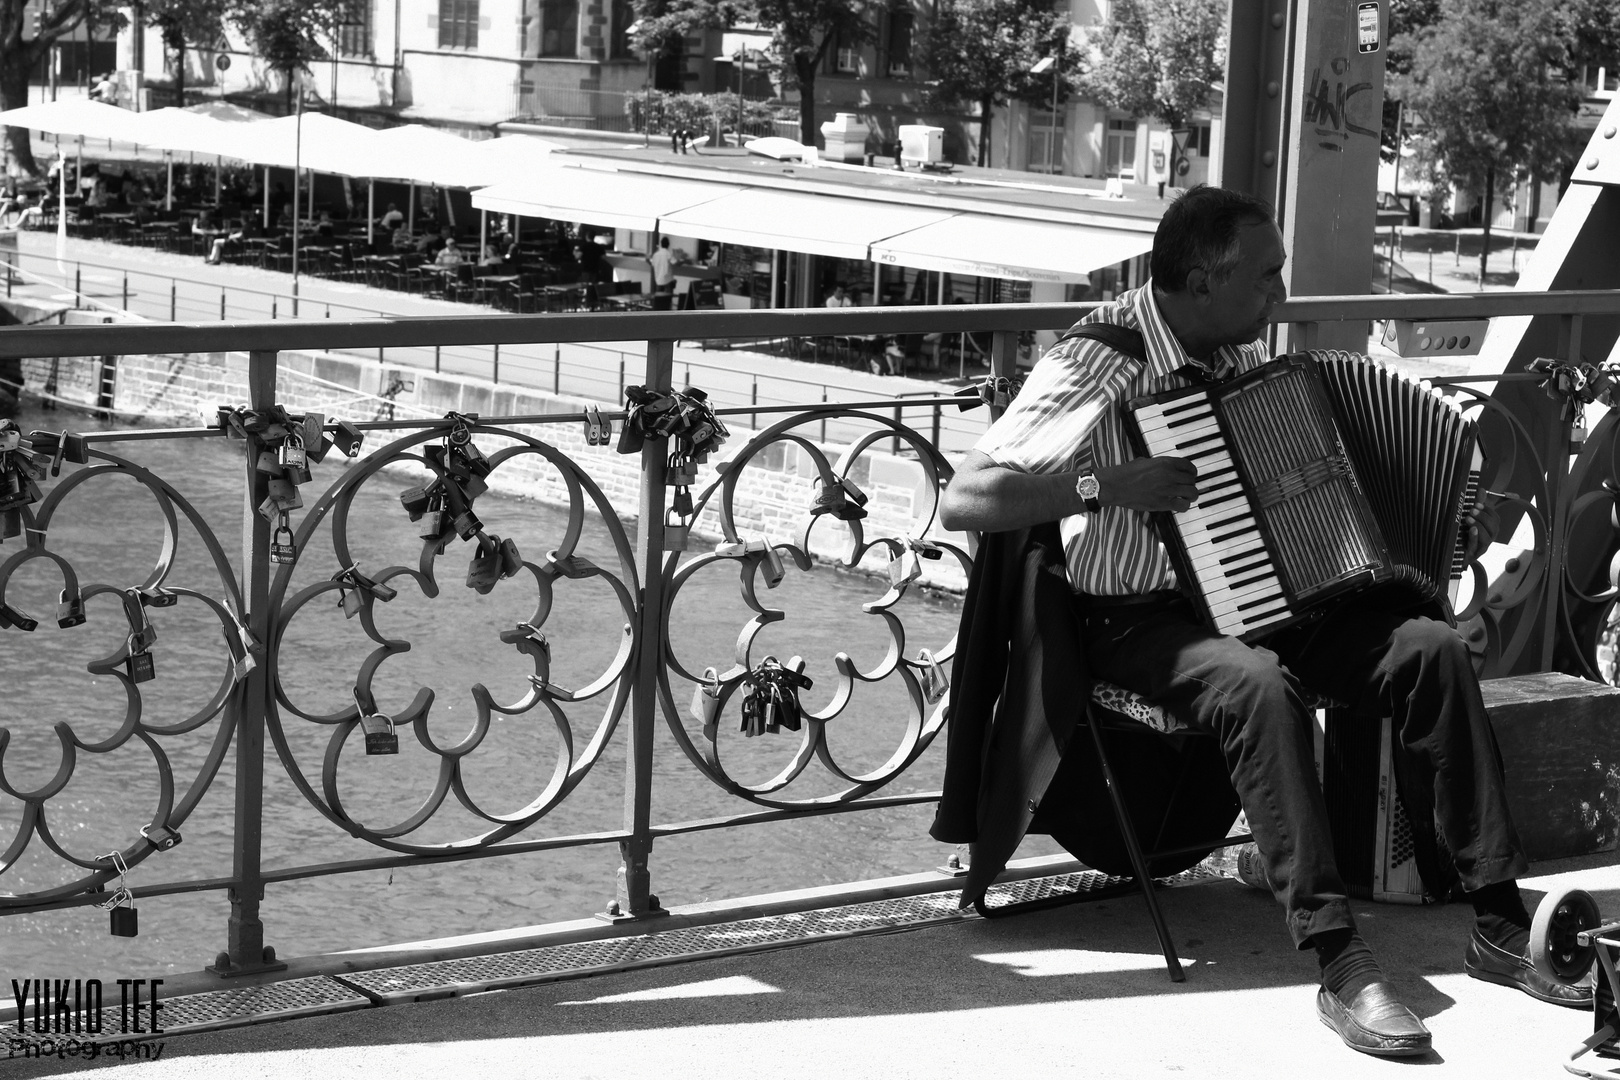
1276, 20
1268, 159
1608, 132
1273, 89
1592, 162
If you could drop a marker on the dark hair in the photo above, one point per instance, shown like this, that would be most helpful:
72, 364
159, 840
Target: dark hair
1200, 229
663, 241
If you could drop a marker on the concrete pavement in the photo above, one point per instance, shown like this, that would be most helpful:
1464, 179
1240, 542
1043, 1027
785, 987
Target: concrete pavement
1076, 991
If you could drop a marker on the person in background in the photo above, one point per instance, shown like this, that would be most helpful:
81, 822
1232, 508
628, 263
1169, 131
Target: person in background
323, 225
449, 255
663, 275
839, 298
391, 219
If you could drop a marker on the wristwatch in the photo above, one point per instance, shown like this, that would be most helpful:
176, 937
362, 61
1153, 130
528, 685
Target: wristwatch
1088, 488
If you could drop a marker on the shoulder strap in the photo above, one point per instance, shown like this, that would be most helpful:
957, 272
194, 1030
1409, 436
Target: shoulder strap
1119, 338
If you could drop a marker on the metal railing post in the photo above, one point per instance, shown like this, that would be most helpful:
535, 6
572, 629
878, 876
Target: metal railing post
556, 367
1556, 461
753, 399
126, 290
1003, 358
174, 294
221, 305
435, 359
634, 898
78, 284
246, 952
495, 371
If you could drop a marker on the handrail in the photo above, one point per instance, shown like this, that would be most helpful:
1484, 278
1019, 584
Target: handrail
417, 330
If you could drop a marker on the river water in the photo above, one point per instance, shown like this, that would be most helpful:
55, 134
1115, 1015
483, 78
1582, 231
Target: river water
110, 531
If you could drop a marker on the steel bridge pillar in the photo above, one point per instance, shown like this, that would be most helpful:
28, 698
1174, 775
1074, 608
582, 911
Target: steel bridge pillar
1304, 101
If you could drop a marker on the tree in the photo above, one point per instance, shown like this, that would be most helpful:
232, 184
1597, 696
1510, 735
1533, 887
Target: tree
981, 51
288, 34
179, 22
1161, 59
20, 54
802, 31
1492, 81
661, 27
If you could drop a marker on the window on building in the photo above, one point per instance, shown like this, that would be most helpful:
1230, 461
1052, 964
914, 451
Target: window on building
458, 24
847, 60
623, 14
1120, 152
1197, 144
559, 27
1045, 141
1601, 80
899, 42
354, 28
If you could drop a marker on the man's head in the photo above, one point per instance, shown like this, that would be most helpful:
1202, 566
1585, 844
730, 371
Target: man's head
663, 242
839, 292
1217, 268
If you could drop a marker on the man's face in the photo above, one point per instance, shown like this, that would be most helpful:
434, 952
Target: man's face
1239, 308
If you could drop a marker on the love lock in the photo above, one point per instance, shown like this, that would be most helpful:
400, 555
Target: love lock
416, 500
161, 837
706, 701
841, 498
597, 430
347, 438
377, 727
69, 609
680, 472
676, 532
291, 454
283, 548
121, 904
934, 680
770, 566
904, 568
485, 567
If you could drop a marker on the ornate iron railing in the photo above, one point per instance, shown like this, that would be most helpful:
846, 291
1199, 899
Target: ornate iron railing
1547, 608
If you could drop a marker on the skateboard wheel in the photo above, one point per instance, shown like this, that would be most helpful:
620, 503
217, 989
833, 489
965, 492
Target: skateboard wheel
1561, 915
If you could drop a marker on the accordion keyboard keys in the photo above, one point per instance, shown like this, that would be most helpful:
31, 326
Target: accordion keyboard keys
1220, 530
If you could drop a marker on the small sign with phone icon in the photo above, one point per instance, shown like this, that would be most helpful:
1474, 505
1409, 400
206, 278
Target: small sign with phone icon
1367, 27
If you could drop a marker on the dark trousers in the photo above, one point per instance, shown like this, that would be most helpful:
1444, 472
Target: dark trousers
1414, 669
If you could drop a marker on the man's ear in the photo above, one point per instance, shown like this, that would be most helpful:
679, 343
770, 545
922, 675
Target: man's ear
1197, 285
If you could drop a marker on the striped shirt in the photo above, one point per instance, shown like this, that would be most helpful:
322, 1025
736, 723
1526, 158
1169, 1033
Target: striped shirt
1067, 418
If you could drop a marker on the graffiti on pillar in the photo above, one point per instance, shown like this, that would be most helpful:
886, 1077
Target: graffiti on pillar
1328, 105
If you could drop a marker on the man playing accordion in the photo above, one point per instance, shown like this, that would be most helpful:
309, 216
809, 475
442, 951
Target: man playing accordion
1060, 453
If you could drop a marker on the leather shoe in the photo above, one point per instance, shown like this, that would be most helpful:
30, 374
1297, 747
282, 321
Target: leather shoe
1491, 963
1374, 1021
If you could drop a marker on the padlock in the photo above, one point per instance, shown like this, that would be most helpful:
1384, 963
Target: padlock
416, 500
511, 558
484, 569
140, 667
681, 502
10, 524
297, 474
161, 837
467, 525
904, 568
473, 486
347, 438
124, 921
10, 616
594, 435
379, 732
435, 524
770, 566
157, 596
351, 602
934, 680
283, 549
679, 472
312, 430
706, 701
290, 454
269, 462
676, 533
69, 609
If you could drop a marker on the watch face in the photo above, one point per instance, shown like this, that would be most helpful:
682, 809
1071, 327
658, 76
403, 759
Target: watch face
1088, 487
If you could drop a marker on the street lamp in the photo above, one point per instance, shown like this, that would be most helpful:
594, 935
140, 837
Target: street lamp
1041, 67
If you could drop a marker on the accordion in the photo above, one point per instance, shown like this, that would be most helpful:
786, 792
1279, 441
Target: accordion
1372, 836
1319, 474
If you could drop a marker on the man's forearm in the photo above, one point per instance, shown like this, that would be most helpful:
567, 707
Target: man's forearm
986, 497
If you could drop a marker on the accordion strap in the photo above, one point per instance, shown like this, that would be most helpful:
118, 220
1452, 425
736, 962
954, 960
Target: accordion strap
1121, 339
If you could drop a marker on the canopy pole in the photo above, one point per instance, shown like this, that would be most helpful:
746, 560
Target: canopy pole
298, 181
168, 194
267, 198
877, 283
371, 207
410, 223
449, 207
483, 232
218, 166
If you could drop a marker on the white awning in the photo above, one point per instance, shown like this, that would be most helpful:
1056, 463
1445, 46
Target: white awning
989, 246
620, 200
813, 224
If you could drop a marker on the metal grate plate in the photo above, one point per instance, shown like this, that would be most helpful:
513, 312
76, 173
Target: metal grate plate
239, 1006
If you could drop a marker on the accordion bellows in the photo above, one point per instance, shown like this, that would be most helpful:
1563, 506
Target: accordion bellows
1319, 474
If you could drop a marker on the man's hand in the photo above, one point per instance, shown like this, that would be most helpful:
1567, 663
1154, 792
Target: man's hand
1150, 483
